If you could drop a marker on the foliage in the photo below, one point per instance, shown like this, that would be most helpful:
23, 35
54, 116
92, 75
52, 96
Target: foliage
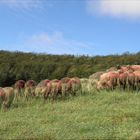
19, 65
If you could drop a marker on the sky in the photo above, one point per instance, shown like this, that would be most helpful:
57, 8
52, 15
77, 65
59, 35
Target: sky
79, 27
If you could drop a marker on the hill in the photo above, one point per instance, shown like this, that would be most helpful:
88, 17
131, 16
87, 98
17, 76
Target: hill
19, 65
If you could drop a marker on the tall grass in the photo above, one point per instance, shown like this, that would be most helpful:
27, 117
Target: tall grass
92, 115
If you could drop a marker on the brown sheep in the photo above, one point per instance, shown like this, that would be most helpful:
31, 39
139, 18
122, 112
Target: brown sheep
101, 85
47, 88
131, 80
137, 79
135, 67
84, 84
2, 96
55, 88
108, 80
43, 82
96, 75
20, 84
74, 85
19, 88
29, 88
8, 96
65, 79
123, 79
43, 88
125, 68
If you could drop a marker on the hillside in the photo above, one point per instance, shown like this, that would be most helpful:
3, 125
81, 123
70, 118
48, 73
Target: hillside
19, 65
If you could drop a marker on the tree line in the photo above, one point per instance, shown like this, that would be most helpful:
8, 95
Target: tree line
19, 65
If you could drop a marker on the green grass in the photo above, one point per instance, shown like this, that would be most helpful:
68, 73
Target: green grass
104, 115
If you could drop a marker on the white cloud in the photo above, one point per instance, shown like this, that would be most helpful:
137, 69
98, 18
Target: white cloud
115, 8
55, 43
26, 4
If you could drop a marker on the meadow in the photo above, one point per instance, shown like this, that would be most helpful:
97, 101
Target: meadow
92, 115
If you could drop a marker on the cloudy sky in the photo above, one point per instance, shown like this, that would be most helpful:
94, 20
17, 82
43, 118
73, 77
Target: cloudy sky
93, 27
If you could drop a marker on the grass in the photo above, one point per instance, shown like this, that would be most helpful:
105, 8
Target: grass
95, 115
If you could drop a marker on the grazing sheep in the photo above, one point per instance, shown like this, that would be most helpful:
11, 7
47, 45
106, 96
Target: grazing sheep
131, 80
93, 79
84, 84
40, 91
123, 79
75, 84
108, 80
8, 96
20, 84
65, 79
125, 68
137, 79
43, 88
92, 84
55, 88
19, 88
135, 67
2, 96
29, 88
96, 75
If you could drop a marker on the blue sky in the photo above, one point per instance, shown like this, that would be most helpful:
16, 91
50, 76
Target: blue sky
77, 27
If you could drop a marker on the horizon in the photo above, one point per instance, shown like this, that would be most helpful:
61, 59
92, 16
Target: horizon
80, 55
85, 27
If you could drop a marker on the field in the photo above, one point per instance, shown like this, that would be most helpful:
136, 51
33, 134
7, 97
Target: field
95, 115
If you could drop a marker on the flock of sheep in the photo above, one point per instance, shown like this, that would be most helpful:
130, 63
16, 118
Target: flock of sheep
124, 77
46, 88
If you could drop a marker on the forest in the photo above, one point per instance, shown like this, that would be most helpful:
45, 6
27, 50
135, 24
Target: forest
19, 65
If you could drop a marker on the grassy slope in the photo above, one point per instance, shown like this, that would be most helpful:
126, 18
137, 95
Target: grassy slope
104, 115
